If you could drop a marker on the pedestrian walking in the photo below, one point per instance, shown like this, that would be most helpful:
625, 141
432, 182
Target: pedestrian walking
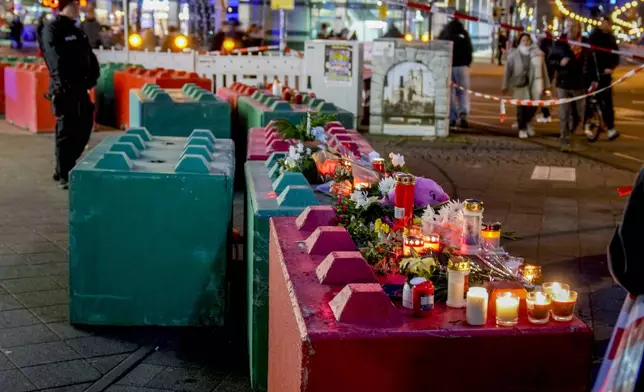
571, 63
501, 45
324, 31
73, 70
461, 61
91, 27
42, 19
526, 75
606, 63
546, 47
15, 32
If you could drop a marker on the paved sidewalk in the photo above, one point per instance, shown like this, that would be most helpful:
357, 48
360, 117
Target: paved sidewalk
39, 349
564, 226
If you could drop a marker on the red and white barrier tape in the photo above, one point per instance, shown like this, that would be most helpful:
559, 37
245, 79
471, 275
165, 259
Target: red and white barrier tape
472, 18
623, 358
544, 102
615, 340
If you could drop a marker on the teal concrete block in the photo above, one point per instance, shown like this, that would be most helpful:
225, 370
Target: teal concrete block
149, 225
259, 109
288, 195
177, 112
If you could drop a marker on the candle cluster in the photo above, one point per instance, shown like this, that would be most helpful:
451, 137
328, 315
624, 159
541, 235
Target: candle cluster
553, 298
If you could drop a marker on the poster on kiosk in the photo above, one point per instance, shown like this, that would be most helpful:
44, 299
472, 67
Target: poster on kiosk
334, 70
410, 88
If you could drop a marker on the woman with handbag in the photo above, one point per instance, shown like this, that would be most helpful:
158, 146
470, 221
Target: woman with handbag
526, 75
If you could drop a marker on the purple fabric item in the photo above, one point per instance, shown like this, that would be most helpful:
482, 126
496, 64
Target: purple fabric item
426, 192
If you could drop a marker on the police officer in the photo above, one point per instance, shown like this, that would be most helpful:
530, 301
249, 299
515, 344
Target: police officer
73, 70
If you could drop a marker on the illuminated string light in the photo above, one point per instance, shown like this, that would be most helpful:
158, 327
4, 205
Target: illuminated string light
574, 16
631, 26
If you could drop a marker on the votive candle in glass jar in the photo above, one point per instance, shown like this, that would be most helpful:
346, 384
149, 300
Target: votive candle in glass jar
433, 242
472, 220
476, 308
530, 273
458, 271
404, 199
379, 165
491, 234
563, 305
538, 304
554, 288
407, 300
507, 309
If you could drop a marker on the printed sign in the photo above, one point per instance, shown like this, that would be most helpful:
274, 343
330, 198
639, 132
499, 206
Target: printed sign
288, 5
338, 63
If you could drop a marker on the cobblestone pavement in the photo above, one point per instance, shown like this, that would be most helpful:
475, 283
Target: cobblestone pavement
564, 226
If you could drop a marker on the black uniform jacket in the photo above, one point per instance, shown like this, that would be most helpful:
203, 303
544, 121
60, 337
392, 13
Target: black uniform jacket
72, 65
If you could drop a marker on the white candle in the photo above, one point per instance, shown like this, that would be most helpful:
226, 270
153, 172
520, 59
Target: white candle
308, 121
507, 309
476, 311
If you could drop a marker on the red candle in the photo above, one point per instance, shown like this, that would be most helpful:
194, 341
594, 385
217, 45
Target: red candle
404, 200
423, 299
379, 165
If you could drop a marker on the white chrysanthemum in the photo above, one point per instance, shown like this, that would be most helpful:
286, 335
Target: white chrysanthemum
361, 199
308, 151
428, 220
290, 163
300, 148
358, 197
386, 185
456, 211
291, 150
397, 160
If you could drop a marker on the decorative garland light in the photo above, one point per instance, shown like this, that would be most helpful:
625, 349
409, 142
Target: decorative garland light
572, 15
632, 26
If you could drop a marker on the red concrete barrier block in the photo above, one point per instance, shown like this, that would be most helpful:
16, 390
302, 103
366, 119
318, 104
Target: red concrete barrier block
260, 148
326, 239
345, 268
315, 216
25, 103
345, 334
366, 304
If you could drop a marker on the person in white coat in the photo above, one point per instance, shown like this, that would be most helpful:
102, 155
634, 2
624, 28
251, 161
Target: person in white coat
527, 77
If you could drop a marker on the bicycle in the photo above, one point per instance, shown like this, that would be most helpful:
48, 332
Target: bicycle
595, 122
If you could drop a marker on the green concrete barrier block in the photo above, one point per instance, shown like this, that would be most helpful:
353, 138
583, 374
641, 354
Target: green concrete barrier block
104, 93
272, 160
177, 112
198, 150
142, 132
149, 236
134, 139
128, 148
263, 201
201, 141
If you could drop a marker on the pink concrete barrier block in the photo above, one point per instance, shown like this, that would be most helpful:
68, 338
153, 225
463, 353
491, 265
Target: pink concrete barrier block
315, 216
344, 268
348, 336
365, 304
329, 238
332, 124
336, 130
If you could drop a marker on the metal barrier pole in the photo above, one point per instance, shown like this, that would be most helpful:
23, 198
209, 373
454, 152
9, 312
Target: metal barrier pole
282, 30
126, 30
